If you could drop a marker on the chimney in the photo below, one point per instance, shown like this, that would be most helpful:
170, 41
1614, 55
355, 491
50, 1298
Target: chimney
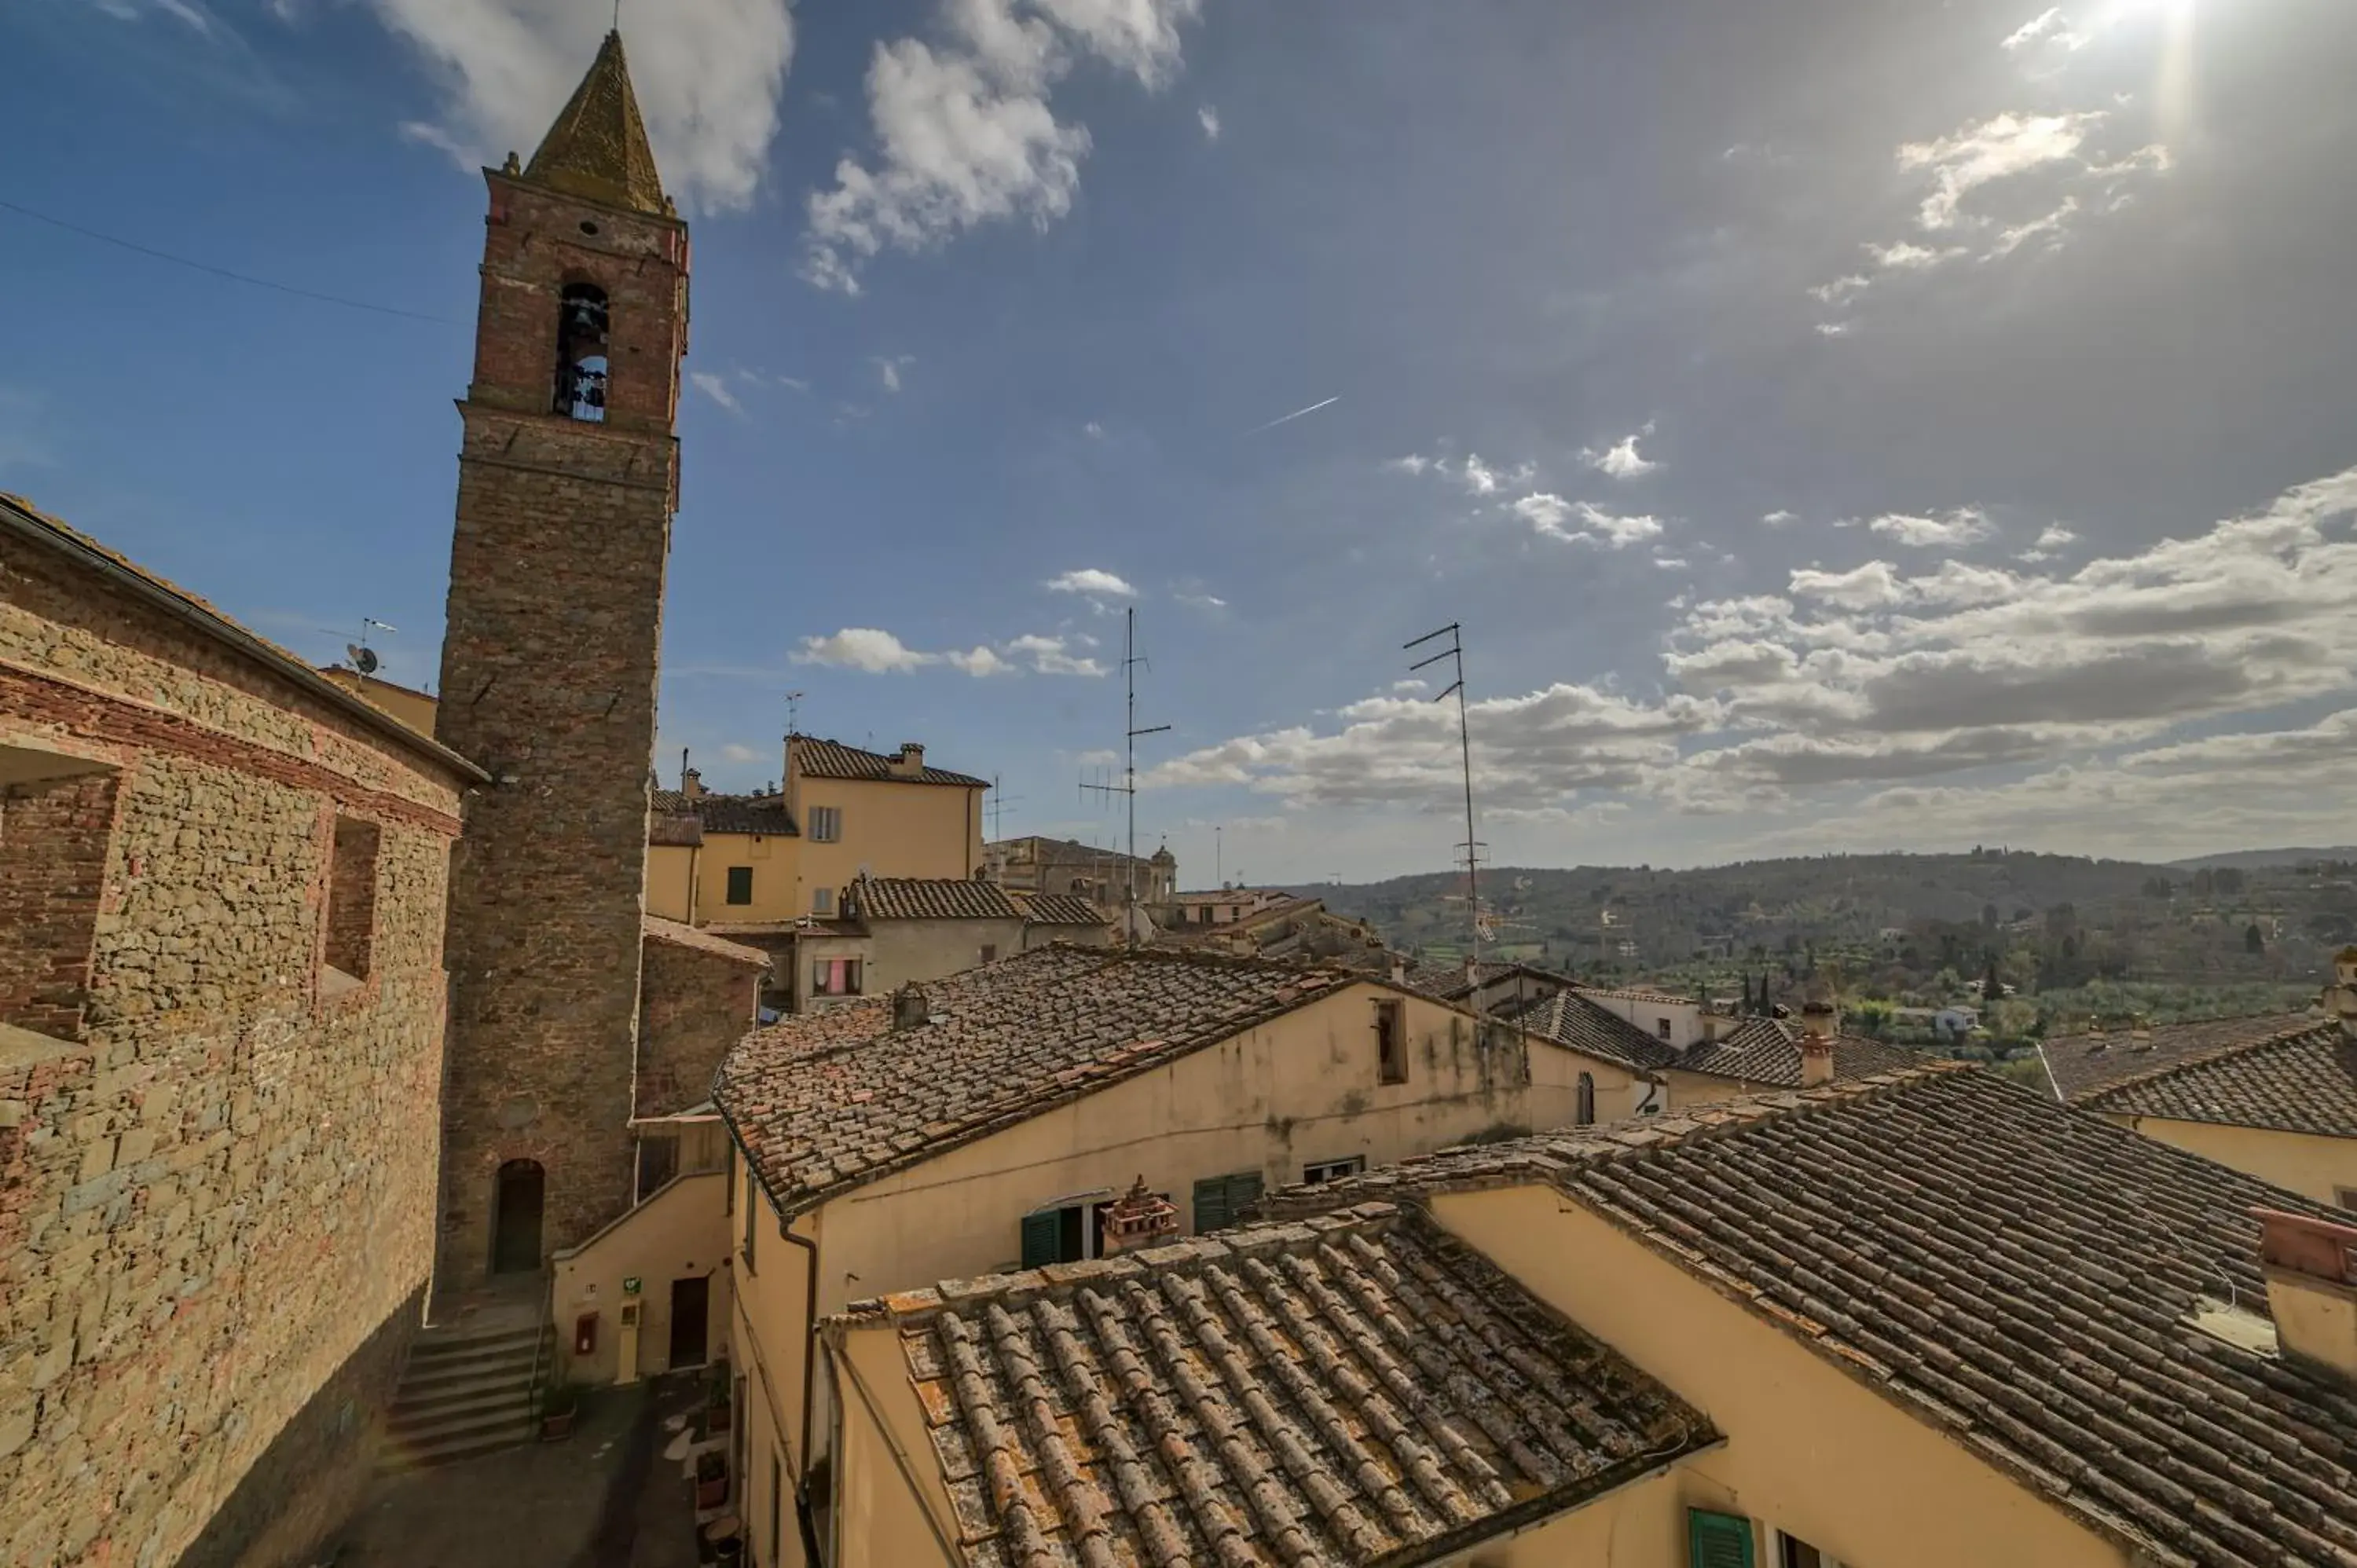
1399, 969
2340, 998
1820, 1023
910, 759
690, 784
2310, 1266
910, 1009
1139, 1219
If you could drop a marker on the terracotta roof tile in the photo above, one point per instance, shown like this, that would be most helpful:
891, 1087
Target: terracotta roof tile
2082, 1064
928, 898
1357, 1390
838, 1098
597, 147
2300, 1080
2016, 1271
816, 759
1767, 1051
1060, 909
656, 929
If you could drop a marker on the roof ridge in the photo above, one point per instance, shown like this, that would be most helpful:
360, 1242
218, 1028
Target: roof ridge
2211, 1057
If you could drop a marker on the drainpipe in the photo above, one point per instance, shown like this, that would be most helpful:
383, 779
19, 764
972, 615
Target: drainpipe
809, 1385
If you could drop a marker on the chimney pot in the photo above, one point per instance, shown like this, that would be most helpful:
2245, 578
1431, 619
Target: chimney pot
1139, 1218
1819, 1022
692, 784
2310, 1266
910, 1007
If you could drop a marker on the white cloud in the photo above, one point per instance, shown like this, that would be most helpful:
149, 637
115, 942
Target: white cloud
2053, 538
1997, 148
1202, 601
716, 387
1208, 118
1053, 656
739, 753
864, 648
1841, 288
1414, 463
888, 368
1410, 685
877, 652
1476, 476
964, 133
2047, 227
1963, 526
2048, 27
1559, 518
1092, 430
707, 79
1092, 581
1834, 329
192, 16
1779, 518
1905, 256
1620, 460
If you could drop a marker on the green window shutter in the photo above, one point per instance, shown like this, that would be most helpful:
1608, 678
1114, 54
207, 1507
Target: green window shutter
1243, 1191
1040, 1234
1717, 1539
1212, 1210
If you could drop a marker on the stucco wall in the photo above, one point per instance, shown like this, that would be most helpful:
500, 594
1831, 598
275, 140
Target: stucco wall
776, 863
1810, 1450
893, 829
902, 950
2317, 1168
216, 1203
680, 1232
885, 1518
766, 1347
670, 882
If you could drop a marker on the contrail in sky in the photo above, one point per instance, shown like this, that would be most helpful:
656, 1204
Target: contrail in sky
1297, 414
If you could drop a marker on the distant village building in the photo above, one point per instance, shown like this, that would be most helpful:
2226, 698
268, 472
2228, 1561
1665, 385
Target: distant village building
1103, 876
222, 885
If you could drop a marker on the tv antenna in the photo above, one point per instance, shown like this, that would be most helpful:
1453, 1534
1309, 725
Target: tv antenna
997, 806
1472, 847
363, 657
1127, 788
794, 713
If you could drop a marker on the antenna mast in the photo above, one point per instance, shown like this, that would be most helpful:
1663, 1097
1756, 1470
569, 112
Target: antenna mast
997, 808
1455, 654
1127, 788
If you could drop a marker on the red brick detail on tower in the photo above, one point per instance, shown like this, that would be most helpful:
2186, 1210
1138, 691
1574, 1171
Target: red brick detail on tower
566, 488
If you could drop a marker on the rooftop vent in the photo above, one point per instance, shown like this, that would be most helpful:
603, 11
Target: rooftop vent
2311, 1267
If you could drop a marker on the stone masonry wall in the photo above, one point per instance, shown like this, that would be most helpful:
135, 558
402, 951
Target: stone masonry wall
216, 1197
695, 1006
548, 681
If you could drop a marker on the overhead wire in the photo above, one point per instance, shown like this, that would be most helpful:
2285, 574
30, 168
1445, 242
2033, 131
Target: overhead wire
209, 268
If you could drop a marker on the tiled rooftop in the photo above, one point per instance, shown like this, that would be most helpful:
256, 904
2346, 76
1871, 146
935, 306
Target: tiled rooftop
1361, 1388
829, 1101
832, 759
656, 929
1060, 909
2082, 1064
765, 816
1767, 1051
2015, 1272
930, 898
2301, 1080
1068, 851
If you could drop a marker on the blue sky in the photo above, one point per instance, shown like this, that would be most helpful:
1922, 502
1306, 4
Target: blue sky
1838, 425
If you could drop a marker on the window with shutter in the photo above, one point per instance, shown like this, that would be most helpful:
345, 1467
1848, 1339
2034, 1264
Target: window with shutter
1243, 1191
1717, 1539
1042, 1234
741, 884
1210, 1204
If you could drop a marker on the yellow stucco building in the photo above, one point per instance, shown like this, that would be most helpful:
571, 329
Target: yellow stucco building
991, 1121
1922, 1318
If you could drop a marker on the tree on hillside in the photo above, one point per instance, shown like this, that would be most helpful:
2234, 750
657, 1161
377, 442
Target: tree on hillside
1992, 989
2253, 939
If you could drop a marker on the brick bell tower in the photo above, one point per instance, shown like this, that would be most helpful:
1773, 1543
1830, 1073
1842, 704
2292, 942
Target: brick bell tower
568, 481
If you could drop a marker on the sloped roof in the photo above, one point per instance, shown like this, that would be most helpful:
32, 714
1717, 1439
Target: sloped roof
832, 759
654, 928
1066, 852
1059, 909
764, 815
832, 1100
2082, 1064
2015, 1272
1570, 1019
1448, 981
2302, 1080
597, 147
1767, 1051
930, 898
21, 519
1360, 1388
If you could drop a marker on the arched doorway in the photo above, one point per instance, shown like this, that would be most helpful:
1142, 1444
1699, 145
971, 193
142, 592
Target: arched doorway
515, 1218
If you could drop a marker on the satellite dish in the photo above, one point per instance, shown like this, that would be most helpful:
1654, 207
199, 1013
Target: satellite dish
363, 657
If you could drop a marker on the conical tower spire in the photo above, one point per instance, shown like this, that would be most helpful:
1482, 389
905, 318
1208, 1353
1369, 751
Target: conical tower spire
597, 148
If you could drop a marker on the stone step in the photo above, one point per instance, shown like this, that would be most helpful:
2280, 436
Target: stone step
511, 1402
518, 1362
449, 1449
434, 1343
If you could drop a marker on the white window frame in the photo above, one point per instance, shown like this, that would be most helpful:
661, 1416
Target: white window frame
826, 824
823, 902
1333, 1170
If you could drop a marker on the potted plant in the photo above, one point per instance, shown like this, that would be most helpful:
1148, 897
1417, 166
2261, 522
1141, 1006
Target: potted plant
557, 1412
711, 1481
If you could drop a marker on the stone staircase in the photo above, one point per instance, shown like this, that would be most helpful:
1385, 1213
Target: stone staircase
468, 1389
